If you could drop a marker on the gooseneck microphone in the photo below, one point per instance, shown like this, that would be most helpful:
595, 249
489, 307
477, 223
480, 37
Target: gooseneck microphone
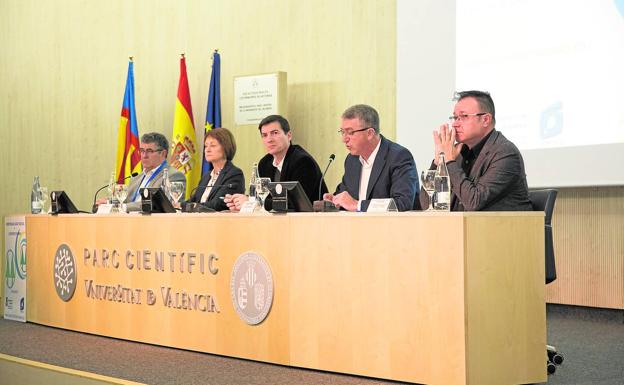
95, 206
322, 205
331, 159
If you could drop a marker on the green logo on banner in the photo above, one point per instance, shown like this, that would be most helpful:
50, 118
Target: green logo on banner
16, 260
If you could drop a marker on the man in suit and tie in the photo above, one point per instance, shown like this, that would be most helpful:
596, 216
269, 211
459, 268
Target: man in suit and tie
154, 149
486, 170
375, 167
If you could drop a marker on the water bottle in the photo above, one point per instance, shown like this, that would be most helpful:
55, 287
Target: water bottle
252, 181
36, 201
111, 187
442, 186
166, 183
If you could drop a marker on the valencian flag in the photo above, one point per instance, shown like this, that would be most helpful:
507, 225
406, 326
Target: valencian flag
184, 155
128, 156
213, 110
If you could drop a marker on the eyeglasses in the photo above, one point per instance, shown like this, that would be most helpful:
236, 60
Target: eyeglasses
148, 151
350, 133
464, 117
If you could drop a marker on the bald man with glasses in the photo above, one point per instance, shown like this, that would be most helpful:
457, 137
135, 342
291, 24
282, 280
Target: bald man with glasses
485, 168
375, 168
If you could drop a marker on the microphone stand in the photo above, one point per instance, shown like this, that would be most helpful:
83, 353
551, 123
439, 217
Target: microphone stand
322, 205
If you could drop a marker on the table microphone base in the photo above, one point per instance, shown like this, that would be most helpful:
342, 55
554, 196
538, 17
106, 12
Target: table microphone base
324, 207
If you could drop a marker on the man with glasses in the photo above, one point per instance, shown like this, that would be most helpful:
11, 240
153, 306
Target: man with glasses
486, 170
375, 168
154, 149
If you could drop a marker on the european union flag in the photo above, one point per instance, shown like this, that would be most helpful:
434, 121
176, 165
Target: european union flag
213, 110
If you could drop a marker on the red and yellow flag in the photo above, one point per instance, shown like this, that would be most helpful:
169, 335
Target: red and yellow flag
184, 154
128, 159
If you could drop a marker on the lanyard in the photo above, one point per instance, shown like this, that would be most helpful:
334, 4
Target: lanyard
163, 164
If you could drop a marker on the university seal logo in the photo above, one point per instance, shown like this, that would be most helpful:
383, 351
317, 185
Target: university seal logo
251, 288
64, 272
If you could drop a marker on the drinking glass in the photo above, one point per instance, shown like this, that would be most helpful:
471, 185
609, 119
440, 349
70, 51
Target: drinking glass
45, 199
262, 189
177, 189
428, 182
121, 192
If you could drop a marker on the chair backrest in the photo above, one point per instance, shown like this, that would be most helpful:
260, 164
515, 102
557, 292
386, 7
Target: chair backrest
544, 200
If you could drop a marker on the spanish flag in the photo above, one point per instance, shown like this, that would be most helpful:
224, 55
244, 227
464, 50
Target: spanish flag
128, 157
184, 154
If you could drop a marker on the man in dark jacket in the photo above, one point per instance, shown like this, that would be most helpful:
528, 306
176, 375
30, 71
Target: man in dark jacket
284, 161
485, 168
376, 168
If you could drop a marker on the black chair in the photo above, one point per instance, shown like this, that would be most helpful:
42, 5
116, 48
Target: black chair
544, 200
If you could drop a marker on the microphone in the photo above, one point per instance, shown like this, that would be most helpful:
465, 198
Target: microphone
198, 207
95, 206
321, 205
331, 159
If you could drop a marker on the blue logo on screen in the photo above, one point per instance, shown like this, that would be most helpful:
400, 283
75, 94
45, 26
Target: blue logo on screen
620, 6
551, 121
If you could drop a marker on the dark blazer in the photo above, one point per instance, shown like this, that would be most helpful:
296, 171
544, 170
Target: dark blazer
230, 174
393, 176
298, 166
497, 181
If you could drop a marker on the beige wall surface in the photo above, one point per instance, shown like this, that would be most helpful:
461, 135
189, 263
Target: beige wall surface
63, 70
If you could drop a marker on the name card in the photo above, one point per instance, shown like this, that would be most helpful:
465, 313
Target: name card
105, 208
381, 206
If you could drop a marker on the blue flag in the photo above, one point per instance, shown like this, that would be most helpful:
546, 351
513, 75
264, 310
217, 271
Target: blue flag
213, 110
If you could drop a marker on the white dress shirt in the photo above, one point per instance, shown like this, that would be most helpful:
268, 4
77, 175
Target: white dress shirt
367, 168
213, 178
279, 165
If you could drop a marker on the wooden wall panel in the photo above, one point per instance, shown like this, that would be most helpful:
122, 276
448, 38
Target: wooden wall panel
64, 63
588, 228
63, 70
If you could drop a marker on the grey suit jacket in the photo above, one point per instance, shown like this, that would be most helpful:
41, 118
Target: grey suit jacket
135, 183
393, 176
497, 181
